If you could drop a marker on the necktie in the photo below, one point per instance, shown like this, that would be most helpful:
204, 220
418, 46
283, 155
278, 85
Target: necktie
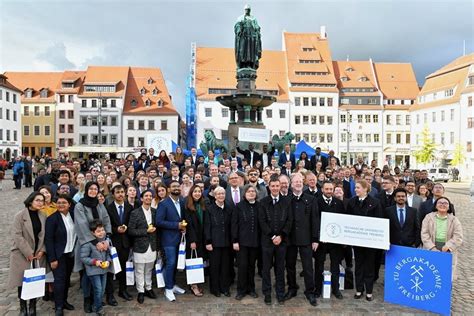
328, 201
361, 201
236, 197
275, 201
121, 214
402, 217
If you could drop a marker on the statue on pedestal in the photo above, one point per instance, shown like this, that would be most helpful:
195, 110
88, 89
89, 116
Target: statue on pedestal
248, 43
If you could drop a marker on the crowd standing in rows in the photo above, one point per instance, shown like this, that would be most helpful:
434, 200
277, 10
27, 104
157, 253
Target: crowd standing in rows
256, 212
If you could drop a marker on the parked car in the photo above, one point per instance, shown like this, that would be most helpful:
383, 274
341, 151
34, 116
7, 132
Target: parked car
438, 174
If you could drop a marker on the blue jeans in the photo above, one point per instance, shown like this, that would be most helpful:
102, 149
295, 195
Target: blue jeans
98, 284
171, 254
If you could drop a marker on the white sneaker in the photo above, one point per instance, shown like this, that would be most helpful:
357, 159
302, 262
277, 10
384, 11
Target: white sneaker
178, 290
169, 295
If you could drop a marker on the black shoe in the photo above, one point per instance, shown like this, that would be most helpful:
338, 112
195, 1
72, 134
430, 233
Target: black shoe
59, 312
317, 295
357, 296
302, 274
312, 299
226, 294
46, 294
87, 305
281, 301
338, 295
239, 297
141, 298
369, 298
32, 308
268, 299
289, 295
23, 308
111, 300
253, 294
216, 294
68, 306
150, 294
125, 296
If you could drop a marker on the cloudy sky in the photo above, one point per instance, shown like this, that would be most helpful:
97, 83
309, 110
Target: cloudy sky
38, 35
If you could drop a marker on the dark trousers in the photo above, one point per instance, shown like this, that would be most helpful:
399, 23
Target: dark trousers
364, 268
17, 180
246, 259
62, 279
336, 253
219, 263
306, 254
348, 256
121, 276
378, 263
274, 256
28, 180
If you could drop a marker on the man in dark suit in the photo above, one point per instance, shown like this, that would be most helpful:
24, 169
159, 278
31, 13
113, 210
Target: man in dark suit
174, 175
318, 157
404, 225
64, 177
303, 238
275, 223
233, 156
312, 183
267, 155
331, 155
286, 169
360, 164
287, 155
151, 155
427, 206
194, 156
141, 163
413, 200
233, 193
327, 203
169, 221
119, 214
348, 184
249, 154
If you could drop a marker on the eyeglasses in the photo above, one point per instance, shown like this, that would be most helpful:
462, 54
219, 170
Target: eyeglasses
39, 200
253, 174
442, 203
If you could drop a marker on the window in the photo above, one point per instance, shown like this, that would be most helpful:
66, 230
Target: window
141, 141
7, 96
305, 119
359, 101
47, 111
148, 102
343, 118
321, 120
142, 91
208, 112
297, 120
84, 103
451, 138
14, 115
36, 130
306, 137
448, 93
1, 134
389, 120
130, 124
95, 139
8, 134
83, 139
104, 103
44, 93
62, 114
14, 98
372, 101
105, 120
113, 121
1, 94
281, 133
359, 138
83, 121
398, 119
164, 125
297, 137
269, 113
26, 130
93, 120
329, 119
141, 124
1, 113
130, 142
398, 138
314, 119
322, 138
442, 138
314, 101
452, 114
343, 137
367, 118
37, 111
469, 99
408, 120
133, 103
70, 142
322, 101
70, 114
61, 98
151, 125
359, 118
94, 103
62, 142
26, 110
376, 118
70, 98
297, 101
314, 138
433, 117
104, 139
418, 119
225, 112
407, 139
160, 103
376, 138
305, 101
113, 103
62, 128
282, 114
329, 138
389, 138
329, 101
113, 139
47, 130
470, 122
368, 138
425, 118
7, 114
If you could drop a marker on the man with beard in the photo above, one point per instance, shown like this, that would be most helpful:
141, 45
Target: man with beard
260, 187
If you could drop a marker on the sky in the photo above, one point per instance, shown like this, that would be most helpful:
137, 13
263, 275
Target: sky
59, 35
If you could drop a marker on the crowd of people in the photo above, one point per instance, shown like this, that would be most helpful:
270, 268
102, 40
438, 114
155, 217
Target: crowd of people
243, 214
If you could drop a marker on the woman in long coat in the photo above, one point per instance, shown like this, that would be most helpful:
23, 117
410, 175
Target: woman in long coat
28, 245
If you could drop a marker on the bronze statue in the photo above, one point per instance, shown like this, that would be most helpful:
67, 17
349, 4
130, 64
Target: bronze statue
248, 43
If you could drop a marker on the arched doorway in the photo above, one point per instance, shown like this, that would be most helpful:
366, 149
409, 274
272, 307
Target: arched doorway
8, 154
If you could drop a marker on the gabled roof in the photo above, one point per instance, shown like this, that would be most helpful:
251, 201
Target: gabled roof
138, 79
397, 80
71, 76
106, 75
36, 81
5, 83
360, 69
215, 69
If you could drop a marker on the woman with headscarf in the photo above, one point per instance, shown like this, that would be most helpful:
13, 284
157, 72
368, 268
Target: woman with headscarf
85, 212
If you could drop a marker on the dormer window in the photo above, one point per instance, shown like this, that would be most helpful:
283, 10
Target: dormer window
133, 103
155, 91
44, 93
150, 80
349, 69
363, 79
344, 79
148, 102
142, 91
160, 103
309, 49
29, 93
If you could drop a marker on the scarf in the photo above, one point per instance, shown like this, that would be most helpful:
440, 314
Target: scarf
199, 212
89, 201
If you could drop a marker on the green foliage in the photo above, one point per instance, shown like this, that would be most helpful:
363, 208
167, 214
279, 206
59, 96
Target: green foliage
458, 156
426, 153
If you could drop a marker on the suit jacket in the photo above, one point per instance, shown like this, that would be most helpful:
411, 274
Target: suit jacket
119, 241
315, 194
268, 156
139, 165
244, 228
274, 220
409, 234
217, 231
386, 200
348, 187
55, 237
306, 220
416, 202
137, 229
229, 195
282, 160
370, 207
315, 159
284, 171
169, 179
247, 155
167, 219
194, 160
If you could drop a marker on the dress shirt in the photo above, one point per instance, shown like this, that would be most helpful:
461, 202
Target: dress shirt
236, 195
328, 200
410, 200
117, 207
404, 213
177, 205
70, 232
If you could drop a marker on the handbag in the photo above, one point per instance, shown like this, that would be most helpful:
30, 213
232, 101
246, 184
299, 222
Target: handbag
34, 280
115, 267
130, 271
194, 269
182, 254
160, 280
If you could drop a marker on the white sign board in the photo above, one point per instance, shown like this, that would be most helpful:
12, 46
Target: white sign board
254, 135
159, 142
363, 231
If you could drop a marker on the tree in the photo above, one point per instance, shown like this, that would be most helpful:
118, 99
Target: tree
426, 153
458, 155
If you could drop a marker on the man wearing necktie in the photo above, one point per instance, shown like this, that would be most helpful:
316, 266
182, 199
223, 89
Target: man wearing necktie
119, 214
404, 226
233, 192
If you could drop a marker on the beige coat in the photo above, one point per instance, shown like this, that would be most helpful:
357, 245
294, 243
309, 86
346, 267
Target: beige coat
23, 246
453, 235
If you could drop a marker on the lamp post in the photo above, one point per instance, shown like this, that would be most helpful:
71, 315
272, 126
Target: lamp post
99, 118
347, 138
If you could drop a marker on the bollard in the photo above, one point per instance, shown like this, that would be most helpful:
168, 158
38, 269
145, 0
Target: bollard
342, 277
327, 284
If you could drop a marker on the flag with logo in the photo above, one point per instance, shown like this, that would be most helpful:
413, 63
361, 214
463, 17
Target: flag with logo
418, 278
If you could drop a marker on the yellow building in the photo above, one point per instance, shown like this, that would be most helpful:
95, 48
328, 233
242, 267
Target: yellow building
38, 106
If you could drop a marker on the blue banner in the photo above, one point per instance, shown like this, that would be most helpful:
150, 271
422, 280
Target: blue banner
418, 278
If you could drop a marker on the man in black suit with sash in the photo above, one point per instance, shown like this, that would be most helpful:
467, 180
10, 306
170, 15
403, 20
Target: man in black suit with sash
119, 213
404, 225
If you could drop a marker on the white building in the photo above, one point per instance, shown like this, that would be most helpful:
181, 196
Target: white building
148, 109
444, 105
10, 119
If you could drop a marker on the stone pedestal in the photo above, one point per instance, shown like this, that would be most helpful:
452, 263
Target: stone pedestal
234, 133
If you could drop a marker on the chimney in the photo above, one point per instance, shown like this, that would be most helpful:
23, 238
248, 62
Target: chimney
322, 32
